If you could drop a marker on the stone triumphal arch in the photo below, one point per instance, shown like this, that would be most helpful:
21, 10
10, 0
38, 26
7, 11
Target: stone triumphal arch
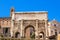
29, 24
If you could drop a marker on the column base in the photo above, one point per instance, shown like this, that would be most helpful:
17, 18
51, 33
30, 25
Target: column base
47, 38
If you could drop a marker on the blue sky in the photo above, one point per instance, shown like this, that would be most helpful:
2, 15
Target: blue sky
52, 6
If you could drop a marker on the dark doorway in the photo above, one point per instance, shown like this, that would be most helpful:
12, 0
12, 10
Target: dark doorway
17, 35
6, 31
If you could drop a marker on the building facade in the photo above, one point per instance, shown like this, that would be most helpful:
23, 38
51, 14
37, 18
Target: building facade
5, 24
53, 28
27, 25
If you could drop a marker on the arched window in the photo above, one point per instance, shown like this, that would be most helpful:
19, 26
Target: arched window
54, 24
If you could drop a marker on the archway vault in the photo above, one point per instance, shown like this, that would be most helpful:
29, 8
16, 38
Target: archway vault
29, 26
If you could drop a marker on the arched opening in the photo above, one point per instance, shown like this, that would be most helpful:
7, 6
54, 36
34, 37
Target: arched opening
41, 35
29, 32
17, 35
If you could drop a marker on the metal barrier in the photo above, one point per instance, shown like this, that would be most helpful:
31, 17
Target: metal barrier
3, 38
9, 39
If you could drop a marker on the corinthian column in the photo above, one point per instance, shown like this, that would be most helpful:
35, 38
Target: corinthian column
46, 28
21, 28
12, 28
36, 29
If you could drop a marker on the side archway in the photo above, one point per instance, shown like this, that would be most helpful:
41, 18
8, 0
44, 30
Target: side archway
41, 35
17, 35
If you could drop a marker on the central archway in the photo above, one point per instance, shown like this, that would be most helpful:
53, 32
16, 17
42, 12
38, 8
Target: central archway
29, 31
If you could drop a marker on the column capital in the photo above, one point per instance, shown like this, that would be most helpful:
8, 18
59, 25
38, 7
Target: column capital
36, 21
22, 19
